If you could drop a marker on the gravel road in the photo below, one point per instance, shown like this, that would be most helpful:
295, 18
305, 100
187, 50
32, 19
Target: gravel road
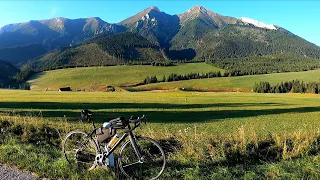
14, 174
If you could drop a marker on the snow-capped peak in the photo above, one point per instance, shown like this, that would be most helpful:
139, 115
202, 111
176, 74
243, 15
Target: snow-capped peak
258, 23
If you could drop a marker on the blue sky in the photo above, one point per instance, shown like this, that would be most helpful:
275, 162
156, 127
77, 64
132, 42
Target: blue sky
300, 17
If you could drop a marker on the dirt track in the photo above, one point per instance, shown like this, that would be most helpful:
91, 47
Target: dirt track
13, 174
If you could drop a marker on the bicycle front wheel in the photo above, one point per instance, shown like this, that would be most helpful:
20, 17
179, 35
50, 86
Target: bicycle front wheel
80, 150
151, 165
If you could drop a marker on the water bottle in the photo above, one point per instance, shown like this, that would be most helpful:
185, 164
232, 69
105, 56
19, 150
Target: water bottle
106, 124
111, 160
113, 141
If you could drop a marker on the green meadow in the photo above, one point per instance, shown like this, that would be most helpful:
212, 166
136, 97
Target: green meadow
206, 135
96, 78
240, 83
216, 113
87, 77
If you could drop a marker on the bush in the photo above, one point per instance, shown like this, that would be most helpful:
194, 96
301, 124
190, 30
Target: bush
26, 87
294, 86
177, 77
149, 80
262, 87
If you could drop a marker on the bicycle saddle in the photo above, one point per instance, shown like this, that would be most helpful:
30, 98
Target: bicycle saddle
85, 114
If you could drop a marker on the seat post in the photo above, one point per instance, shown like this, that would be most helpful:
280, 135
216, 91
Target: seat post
90, 117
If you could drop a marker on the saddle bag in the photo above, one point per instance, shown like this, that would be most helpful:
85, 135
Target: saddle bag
104, 134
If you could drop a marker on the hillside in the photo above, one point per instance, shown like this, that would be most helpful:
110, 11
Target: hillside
85, 55
7, 71
102, 50
129, 47
240, 83
18, 55
89, 77
266, 64
242, 41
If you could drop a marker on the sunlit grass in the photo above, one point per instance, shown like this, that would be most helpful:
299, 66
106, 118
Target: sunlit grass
241, 83
86, 78
211, 135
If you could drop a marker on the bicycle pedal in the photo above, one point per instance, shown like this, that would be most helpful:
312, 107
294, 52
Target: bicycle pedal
99, 159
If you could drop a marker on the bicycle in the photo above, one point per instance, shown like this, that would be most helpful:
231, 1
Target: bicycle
143, 159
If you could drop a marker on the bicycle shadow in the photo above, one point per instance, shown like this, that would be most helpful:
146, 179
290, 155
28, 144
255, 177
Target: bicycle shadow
155, 112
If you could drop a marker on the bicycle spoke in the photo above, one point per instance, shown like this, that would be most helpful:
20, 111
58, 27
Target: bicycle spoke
153, 160
138, 158
79, 150
132, 164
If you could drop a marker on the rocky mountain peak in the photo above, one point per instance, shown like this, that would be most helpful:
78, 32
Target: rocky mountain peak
195, 12
198, 9
154, 8
60, 19
150, 13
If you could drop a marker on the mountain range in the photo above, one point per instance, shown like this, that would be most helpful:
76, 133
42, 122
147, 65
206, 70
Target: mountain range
149, 36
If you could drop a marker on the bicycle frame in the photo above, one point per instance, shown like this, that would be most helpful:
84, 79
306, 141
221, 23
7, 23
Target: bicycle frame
105, 157
133, 143
128, 132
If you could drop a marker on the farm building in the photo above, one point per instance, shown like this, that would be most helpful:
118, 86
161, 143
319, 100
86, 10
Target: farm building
65, 89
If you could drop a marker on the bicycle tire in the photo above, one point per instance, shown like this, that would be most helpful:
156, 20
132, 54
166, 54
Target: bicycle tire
149, 148
79, 155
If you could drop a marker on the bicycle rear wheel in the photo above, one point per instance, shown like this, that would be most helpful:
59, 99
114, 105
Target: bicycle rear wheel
80, 150
153, 160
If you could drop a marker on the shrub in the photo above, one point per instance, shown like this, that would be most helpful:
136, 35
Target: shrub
294, 86
26, 87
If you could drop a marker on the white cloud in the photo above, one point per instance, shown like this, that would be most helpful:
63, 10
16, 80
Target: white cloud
53, 11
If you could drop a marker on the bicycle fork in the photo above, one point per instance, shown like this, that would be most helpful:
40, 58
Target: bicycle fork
135, 147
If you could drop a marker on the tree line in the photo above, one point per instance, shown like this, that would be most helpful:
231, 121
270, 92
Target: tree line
176, 77
294, 86
268, 64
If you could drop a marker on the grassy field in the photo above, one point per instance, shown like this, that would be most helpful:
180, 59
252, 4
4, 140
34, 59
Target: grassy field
211, 112
79, 78
96, 78
211, 135
242, 83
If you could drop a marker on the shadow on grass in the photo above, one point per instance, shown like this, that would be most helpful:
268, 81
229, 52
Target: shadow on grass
97, 106
36, 75
54, 110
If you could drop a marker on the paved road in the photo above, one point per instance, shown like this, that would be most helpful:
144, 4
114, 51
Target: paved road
14, 174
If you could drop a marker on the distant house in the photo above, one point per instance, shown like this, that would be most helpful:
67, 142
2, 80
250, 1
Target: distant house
65, 89
110, 88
